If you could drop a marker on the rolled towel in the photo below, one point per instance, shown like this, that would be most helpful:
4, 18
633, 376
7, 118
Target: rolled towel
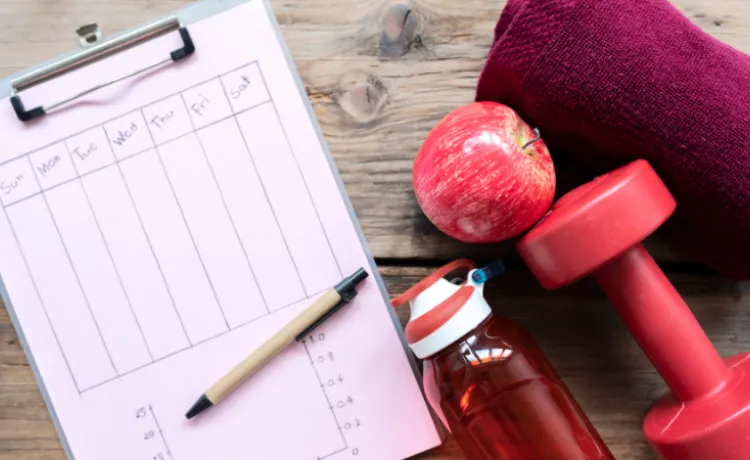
610, 81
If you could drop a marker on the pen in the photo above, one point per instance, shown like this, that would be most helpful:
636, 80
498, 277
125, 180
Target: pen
327, 304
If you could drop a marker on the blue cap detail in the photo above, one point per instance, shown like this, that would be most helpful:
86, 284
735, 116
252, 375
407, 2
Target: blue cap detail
487, 272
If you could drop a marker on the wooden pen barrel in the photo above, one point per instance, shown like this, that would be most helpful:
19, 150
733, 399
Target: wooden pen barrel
272, 347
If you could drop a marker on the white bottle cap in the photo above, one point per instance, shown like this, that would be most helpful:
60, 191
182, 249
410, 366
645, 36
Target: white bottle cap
442, 312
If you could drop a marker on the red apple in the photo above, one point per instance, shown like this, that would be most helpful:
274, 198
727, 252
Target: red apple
481, 176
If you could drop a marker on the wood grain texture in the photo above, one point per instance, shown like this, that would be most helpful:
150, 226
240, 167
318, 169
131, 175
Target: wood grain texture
577, 328
380, 74
435, 72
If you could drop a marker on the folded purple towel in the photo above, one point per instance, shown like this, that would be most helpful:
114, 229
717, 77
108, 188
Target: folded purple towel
611, 81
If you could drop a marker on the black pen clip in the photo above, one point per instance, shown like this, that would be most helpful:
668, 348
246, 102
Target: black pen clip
347, 290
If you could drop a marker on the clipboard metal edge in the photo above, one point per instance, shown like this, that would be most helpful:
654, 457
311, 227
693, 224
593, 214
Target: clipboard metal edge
92, 54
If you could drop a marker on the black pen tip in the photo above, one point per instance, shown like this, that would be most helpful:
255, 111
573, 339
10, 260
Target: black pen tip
358, 276
200, 405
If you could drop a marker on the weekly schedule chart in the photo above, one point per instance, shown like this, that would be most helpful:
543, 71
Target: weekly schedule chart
164, 228
158, 231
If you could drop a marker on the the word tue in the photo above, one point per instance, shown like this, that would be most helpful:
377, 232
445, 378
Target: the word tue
85, 152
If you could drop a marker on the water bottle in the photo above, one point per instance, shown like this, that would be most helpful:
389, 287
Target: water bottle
487, 379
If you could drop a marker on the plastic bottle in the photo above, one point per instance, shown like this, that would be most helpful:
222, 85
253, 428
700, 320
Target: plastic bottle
488, 380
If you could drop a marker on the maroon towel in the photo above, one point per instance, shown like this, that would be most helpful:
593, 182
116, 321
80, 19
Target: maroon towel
611, 81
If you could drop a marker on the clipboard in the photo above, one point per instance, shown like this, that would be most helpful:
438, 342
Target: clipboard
362, 420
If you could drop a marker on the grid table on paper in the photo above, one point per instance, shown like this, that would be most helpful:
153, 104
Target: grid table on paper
169, 218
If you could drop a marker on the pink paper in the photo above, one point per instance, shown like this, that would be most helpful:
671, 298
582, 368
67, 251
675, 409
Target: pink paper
157, 231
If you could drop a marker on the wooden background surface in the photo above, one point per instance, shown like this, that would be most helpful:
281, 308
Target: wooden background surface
380, 74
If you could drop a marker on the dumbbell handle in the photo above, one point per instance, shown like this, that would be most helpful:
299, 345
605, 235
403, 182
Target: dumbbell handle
662, 324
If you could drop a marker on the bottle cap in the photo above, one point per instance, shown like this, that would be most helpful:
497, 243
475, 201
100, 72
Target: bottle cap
443, 311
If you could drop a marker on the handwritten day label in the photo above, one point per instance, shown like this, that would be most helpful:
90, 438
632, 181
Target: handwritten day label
245, 88
128, 135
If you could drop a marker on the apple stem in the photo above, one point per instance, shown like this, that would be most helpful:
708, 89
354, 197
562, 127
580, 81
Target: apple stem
537, 136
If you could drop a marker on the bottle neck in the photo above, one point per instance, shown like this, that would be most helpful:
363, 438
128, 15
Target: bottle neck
443, 312
453, 346
447, 322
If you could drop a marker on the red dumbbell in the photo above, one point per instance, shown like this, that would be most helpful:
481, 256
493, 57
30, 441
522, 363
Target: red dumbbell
597, 229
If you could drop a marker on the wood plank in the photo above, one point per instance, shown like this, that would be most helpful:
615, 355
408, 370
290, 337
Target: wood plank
576, 327
379, 79
379, 73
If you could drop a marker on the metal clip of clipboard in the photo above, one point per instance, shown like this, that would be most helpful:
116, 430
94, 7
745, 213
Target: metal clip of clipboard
93, 50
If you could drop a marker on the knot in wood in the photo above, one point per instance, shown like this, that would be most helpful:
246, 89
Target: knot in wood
361, 96
400, 30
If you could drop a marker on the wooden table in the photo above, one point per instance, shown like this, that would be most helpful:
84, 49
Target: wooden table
380, 74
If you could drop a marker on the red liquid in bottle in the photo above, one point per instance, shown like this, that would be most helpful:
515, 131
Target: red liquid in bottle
502, 400
488, 379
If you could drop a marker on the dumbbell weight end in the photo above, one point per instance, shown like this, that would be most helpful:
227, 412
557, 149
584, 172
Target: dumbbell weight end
707, 413
715, 427
597, 229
